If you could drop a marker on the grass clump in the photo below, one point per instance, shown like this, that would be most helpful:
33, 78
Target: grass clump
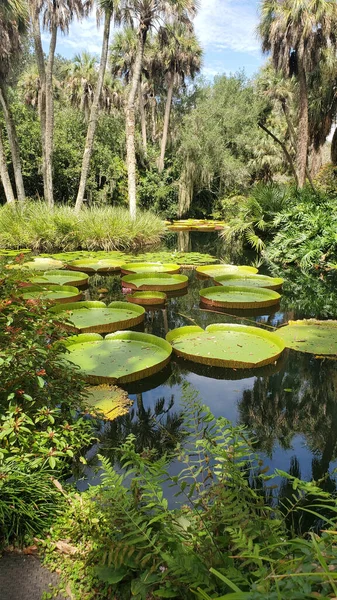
33, 225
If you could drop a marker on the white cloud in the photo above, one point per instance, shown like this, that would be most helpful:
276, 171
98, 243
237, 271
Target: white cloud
228, 24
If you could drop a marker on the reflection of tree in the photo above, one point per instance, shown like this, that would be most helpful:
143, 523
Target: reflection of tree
156, 428
184, 241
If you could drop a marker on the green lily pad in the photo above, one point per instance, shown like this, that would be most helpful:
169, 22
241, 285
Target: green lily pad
56, 293
147, 298
120, 357
227, 345
150, 268
40, 264
110, 400
95, 316
155, 282
252, 280
208, 271
61, 277
94, 265
239, 297
186, 259
310, 335
5, 252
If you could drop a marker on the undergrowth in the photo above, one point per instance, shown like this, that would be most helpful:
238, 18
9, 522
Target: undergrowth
33, 225
224, 537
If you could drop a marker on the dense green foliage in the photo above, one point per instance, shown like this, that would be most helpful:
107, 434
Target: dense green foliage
226, 536
43, 432
34, 226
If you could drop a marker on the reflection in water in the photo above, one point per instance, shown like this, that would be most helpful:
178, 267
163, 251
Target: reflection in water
184, 242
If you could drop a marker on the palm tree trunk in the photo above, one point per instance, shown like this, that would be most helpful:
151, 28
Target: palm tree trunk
166, 124
142, 116
153, 119
94, 111
130, 123
42, 93
303, 126
13, 144
4, 175
334, 148
49, 127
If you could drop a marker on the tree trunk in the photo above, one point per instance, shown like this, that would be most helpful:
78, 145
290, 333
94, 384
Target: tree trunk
13, 144
284, 148
142, 116
303, 126
4, 175
49, 127
166, 124
316, 161
94, 112
42, 93
130, 123
153, 119
334, 148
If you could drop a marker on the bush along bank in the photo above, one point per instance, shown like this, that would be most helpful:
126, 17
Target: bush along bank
33, 225
44, 429
225, 538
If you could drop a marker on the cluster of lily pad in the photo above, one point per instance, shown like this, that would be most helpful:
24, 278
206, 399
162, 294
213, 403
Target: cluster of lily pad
125, 356
195, 225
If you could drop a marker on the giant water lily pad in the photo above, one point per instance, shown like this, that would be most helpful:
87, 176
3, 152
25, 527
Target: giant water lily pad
121, 357
61, 277
251, 280
94, 265
110, 400
239, 297
207, 271
160, 282
40, 264
147, 298
315, 337
96, 317
56, 293
150, 268
226, 345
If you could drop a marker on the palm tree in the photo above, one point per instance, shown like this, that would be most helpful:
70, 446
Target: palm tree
145, 15
4, 175
13, 24
107, 7
80, 81
55, 16
181, 56
297, 33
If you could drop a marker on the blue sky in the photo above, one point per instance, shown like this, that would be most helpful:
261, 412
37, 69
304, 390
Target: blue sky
226, 30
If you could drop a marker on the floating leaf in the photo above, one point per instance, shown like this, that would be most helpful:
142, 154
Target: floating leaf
150, 267
94, 265
57, 293
310, 335
226, 345
120, 357
96, 317
208, 271
111, 400
147, 298
39, 264
239, 297
155, 282
61, 277
251, 280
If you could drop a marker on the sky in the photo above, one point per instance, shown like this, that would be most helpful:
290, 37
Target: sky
226, 30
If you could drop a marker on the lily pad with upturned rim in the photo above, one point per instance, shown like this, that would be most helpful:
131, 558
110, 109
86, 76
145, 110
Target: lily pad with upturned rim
40, 264
251, 280
227, 345
95, 316
93, 265
239, 297
56, 293
209, 271
121, 357
147, 298
310, 335
61, 277
149, 267
110, 400
160, 282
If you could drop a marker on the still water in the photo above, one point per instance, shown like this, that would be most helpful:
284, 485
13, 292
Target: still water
290, 410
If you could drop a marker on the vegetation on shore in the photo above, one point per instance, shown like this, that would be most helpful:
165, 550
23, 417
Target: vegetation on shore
33, 225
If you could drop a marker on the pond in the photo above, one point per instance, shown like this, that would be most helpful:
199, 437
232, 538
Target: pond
290, 411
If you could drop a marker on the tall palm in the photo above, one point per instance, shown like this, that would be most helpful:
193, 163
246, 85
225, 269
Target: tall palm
107, 8
297, 32
181, 57
80, 81
56, 15
13, 25
145, 15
